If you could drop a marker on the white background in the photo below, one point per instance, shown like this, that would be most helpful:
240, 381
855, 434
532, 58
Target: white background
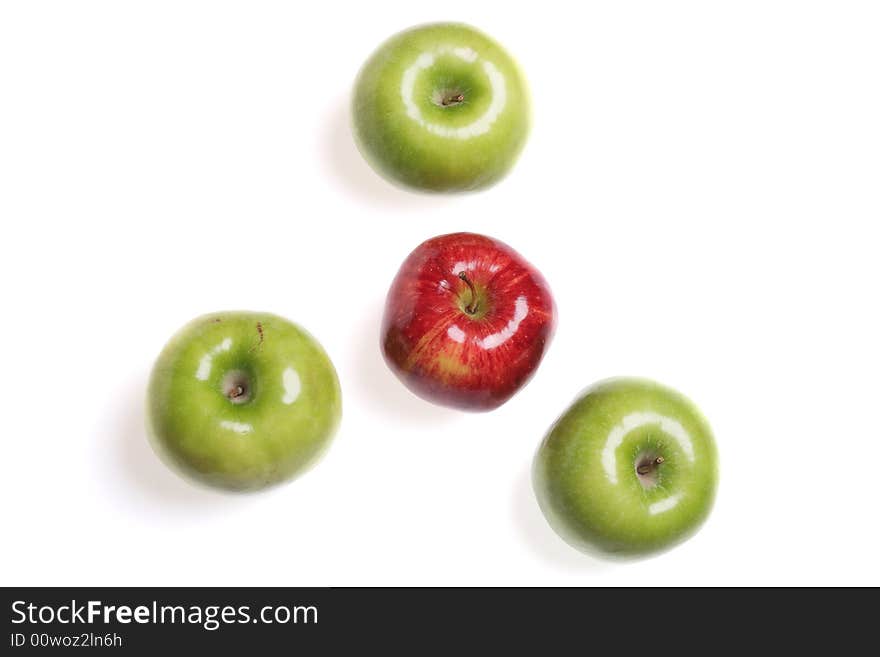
700, 189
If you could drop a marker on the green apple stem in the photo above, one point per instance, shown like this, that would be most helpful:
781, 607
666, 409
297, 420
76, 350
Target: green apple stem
452, 99
237, 387
238, 393
646, 468
473, 306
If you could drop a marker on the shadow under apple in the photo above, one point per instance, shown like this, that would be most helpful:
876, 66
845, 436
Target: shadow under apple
146, 479
540, 537
380, 387
350, 170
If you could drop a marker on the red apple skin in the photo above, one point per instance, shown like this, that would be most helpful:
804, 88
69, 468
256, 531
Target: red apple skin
449, 355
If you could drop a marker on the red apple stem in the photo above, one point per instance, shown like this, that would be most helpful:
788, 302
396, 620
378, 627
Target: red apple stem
645, 468
472, 307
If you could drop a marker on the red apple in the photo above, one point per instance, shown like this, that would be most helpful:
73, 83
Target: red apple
467, 321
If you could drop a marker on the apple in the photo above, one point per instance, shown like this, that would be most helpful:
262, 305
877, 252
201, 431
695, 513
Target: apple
467, 321
441, 107
629, 469
242, 400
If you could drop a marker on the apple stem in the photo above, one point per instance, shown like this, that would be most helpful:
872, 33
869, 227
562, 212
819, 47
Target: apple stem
236, 392
645, 468
471, 308
451, 100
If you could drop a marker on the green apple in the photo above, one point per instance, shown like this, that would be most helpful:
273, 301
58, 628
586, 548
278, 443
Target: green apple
441, 107
242, 400
629, 469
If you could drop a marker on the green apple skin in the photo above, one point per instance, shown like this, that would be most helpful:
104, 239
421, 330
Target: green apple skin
441, 107
242, 400
585, 473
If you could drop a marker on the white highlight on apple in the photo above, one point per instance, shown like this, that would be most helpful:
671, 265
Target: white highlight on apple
520, 311
462, 266
664, 504
634, 421
467, 54
455, 333
476, 128
237, 427
205, 363
292, 385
